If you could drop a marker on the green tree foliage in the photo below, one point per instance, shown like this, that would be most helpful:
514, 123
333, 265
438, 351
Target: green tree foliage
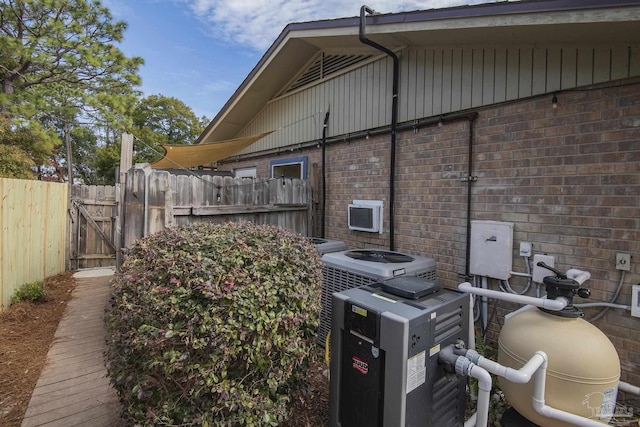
22, 149
159, 120
107, 159
58, 63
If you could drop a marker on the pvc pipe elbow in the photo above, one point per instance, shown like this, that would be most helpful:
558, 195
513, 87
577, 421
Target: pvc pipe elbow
555, 304
567, 417
579, 276
524, 374
465, 286
483, 377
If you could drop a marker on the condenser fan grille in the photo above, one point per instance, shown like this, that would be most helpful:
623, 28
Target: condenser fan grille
386, 257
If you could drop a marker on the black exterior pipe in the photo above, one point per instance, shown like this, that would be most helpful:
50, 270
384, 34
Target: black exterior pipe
394, 119
470, 179
324, 172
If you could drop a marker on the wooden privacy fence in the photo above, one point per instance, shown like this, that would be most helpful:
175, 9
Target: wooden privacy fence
32, 233
154, 200
93, 216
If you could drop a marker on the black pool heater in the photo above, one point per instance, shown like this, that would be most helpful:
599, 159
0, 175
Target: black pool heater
385, 341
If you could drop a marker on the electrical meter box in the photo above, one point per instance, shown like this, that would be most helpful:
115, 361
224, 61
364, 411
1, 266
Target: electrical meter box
385, 341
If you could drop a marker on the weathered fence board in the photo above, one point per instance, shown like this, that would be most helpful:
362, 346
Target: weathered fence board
32, 233
93, 214
155, 200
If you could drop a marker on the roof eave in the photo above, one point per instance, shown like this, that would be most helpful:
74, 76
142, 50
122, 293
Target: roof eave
294, 34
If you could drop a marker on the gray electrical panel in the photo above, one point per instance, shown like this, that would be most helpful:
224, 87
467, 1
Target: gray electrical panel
385, 340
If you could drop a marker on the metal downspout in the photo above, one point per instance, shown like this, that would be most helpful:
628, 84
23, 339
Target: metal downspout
324, 173
394, 118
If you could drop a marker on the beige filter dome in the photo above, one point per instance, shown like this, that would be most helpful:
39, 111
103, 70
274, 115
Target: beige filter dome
583, 370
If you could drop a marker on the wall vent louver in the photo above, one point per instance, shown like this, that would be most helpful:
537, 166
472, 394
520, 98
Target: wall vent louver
324, 66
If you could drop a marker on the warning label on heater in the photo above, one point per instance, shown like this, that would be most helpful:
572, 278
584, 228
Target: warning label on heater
416, 371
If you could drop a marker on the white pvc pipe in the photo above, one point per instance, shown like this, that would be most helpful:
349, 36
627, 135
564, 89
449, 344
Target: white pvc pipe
484, 394
522, 375
481, 417
550, 304
579, 276
485, 306
628, 388
547, 411
603, 304
471, 422
535, 367
472, 330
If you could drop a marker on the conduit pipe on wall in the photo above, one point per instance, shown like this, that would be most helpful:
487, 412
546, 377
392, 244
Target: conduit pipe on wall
394, 118
324, 172
470, 180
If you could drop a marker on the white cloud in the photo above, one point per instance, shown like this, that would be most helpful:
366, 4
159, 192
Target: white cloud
257, 23
224, 86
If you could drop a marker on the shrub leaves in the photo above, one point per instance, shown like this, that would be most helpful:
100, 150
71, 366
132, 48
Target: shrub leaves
213, 325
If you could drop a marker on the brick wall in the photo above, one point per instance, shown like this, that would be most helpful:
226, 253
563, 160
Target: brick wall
568, 178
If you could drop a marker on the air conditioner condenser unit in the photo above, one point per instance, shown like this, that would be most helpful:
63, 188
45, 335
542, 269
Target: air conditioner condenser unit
354, 268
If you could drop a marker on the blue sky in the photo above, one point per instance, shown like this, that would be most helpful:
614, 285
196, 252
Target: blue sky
199, 51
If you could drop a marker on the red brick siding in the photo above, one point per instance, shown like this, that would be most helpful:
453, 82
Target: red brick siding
568, 178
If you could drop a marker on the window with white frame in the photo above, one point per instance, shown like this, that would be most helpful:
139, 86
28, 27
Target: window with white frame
292, 167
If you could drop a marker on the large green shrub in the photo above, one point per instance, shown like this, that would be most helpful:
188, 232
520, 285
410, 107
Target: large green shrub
213, 325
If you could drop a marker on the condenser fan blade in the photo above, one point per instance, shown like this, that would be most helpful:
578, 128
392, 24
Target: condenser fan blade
379, 256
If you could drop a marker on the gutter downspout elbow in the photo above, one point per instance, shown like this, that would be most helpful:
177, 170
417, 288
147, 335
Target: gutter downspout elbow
394, 118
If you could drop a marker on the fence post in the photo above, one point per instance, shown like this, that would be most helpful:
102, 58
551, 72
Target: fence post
126, 161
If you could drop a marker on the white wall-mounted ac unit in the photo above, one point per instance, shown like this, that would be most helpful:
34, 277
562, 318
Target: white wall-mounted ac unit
366, 215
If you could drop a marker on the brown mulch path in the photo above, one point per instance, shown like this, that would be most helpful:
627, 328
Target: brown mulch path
26, 333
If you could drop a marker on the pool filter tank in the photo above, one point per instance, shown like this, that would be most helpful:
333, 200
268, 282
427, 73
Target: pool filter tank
385, 340
583, 370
